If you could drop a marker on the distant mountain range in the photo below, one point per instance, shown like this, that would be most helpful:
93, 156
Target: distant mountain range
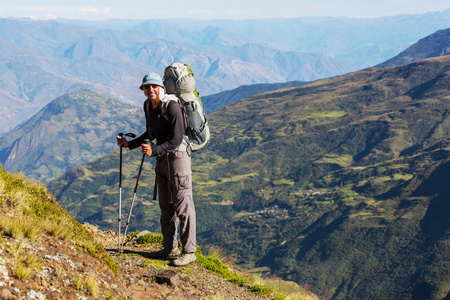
362, 42
41, 60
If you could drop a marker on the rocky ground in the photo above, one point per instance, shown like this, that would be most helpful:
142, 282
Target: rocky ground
64, 271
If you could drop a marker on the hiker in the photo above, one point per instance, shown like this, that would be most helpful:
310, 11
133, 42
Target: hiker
173, 170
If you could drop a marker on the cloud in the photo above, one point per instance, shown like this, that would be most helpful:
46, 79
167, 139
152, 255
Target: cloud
77, 9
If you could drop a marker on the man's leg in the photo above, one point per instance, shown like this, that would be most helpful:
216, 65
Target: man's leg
184, 204
168, 221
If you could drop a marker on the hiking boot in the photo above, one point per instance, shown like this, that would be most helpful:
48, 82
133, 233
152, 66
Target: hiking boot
165, 253
184, 260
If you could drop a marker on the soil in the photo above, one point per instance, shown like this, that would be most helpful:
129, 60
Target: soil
62, 266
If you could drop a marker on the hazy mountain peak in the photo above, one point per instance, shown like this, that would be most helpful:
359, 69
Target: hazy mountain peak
72, 129
436, 44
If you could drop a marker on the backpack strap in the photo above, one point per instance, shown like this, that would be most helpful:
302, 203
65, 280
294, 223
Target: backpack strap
185, 143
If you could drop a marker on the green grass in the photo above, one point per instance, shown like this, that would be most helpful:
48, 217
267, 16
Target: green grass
148, 239
290, 289
213, 262
284, 182
404, 177
157, 264
341, 160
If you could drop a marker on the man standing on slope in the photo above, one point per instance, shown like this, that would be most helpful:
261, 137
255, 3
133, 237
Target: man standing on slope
173, 170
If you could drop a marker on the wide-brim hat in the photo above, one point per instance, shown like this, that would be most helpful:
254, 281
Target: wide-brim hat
152, 78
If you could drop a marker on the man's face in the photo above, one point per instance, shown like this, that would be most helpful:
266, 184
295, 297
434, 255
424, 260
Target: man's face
151, 91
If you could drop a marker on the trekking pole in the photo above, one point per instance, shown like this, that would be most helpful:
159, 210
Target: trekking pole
132, 135
146, 141
169, 183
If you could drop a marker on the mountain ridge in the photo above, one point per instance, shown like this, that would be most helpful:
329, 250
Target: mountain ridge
334, 35
214, 102
436, 44
29, 146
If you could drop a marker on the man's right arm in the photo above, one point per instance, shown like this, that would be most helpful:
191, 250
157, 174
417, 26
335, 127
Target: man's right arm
137, 142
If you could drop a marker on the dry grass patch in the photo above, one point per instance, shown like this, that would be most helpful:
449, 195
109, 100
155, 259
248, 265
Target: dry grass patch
59, 226
25, 262
88, 284
20, 226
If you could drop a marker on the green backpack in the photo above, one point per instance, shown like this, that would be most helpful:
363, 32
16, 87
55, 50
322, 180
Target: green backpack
179, 81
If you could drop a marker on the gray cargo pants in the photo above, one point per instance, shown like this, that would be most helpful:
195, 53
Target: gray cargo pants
181, 211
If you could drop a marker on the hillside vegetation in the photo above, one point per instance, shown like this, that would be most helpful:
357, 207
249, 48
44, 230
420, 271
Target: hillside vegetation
38, 239
340, 185
46, 254
356, 161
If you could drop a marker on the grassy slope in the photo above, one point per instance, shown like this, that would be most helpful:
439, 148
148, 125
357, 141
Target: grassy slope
35, 213
32, 219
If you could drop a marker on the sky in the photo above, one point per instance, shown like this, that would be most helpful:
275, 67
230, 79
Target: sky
213, 9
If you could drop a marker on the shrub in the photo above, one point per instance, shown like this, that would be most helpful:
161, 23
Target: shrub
150, 239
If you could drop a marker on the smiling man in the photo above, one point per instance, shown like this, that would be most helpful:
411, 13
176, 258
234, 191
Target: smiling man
173, 170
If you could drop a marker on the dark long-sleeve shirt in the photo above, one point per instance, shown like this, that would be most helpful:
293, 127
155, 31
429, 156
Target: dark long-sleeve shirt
168, 132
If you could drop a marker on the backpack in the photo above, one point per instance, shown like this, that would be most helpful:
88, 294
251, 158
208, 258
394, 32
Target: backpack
179, 81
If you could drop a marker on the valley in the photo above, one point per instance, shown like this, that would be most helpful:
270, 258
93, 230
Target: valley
319, 184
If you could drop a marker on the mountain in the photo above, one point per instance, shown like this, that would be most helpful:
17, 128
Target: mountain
41, 60
362, 42
340, 185
26, 143
72, 129
436, 44
212, 103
